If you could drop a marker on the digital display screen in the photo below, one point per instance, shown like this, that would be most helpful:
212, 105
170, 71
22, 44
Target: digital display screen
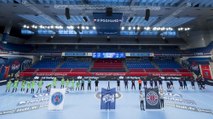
108, 55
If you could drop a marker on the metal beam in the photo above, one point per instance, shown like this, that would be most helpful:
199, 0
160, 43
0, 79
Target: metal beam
102, 7
181, 8
31, 5
132, 2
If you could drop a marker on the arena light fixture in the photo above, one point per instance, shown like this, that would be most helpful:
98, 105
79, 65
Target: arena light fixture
94, 28
162, 28
154, 28
24, 26
83, 27
133, 28
138, 28
129, 28
158, 28
87, 27
122, 28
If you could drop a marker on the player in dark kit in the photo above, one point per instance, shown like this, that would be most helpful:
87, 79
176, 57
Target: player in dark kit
168, 85
171, 84
160, 82
89, 84
151, 83
145, 82
156, 82
96, 85
192, 82
126, 84
82, 84
185, 84
202, 83
181, 83
139, 84
133, 84
199, 82
118, 84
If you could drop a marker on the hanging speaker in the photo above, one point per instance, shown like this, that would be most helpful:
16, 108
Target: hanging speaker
67, 13
147, 14
109, 11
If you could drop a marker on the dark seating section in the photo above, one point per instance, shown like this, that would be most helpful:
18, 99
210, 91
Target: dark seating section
166, 50
201, 50
139, 64
167, 64
15, 47
47, 63
87, 66
199, 60
76, 63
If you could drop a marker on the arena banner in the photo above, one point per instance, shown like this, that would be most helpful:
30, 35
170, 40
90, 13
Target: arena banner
107, 25
152, 98
109, 73
28, 74
190, 108
56, 101
144, 54
108, 98
206, 71
159, 73
22, 109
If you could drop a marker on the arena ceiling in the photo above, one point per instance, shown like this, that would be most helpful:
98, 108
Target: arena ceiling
195, 14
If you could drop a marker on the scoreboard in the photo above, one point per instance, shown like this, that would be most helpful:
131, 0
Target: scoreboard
112, 55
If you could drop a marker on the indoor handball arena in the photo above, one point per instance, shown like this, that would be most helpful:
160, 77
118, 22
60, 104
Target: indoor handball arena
106, 59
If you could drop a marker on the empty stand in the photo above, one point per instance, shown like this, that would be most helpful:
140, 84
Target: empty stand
108, 65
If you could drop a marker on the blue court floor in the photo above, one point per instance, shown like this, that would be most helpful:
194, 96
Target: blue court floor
85, 105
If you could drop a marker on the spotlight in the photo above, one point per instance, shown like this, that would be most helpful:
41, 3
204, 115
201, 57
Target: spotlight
41, 26
148, 28
133, 28
129, 28
24, 26
94, 28
71, 27
68, 27
162, 28
138, 28
83, 27
122, 28
158, 28
87, 28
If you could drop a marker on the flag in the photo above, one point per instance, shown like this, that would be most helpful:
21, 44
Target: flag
56, 100
108, 98
152, 98
7, 70
206, 71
